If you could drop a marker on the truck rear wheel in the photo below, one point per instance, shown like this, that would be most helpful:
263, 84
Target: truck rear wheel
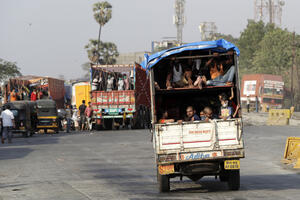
163, 182
108, 124
234, 179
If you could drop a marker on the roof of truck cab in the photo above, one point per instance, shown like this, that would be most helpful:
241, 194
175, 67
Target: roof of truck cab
216, 45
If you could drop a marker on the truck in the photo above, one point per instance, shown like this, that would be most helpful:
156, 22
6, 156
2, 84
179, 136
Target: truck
113, 108
81, 90
54, 88
266, 89
194, 148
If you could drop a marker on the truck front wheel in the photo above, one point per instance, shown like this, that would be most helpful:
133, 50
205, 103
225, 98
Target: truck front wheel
163, 183
234, 179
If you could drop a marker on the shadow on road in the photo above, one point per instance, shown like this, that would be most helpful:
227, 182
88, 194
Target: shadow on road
145, 183
14, 153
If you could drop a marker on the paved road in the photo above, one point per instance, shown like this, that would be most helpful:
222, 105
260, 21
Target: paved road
120, 165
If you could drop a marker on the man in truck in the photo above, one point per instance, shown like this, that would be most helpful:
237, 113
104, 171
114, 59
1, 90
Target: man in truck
216, 70
179, 77
191, 114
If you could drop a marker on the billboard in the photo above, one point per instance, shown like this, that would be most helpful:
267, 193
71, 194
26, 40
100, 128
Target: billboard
249, 87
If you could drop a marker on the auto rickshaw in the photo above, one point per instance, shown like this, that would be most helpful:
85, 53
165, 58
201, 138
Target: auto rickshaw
25, 117
47, 115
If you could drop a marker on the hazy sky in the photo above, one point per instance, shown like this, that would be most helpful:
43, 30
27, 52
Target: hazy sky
47, 37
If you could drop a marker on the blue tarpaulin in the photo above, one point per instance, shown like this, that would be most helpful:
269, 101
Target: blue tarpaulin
217, 45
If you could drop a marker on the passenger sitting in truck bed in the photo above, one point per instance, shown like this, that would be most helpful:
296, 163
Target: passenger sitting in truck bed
178, 77
230, 102
208, 114
164, 119
225, 110
218, 78
191, 114
198, 71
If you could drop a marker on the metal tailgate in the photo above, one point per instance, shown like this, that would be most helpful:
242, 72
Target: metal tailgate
198, 135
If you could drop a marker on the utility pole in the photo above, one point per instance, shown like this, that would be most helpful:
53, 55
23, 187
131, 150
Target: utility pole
295, 88
179, 19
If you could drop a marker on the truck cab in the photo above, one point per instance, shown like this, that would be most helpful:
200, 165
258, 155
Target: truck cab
195, 147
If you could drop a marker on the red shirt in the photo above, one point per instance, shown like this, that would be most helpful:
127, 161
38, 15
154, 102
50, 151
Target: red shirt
33, 96
88, 111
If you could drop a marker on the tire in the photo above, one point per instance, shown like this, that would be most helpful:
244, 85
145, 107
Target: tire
108, 124
56, 131
163, 183
223, 177
234, 179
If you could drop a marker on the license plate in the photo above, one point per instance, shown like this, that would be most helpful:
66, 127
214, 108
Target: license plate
22, 128
166, 169
232, 164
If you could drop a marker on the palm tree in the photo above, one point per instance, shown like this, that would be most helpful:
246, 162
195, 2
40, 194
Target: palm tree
102, 14
105, 54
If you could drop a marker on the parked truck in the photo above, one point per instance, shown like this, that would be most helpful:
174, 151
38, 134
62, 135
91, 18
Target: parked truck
51, 87
194, 148
115, 107
81, 90
266, 90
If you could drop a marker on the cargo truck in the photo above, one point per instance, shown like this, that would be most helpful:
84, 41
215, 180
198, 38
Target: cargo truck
115, 107
54, 88
194, 148
81, 90
266, 89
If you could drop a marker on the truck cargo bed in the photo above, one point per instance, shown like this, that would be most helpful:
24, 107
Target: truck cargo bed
198, 140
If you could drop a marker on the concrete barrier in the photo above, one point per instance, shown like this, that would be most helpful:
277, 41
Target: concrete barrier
279, 117
292, 152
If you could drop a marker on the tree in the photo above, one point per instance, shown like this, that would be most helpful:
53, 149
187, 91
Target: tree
248, 42
102, 14
8, 70
274, 55
102, 52
86, 67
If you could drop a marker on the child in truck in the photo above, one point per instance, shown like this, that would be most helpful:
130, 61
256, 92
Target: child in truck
225, 110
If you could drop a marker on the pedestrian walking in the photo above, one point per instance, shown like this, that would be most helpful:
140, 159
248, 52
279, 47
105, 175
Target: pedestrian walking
8, 122
248, 103
82, 108
88, 114
68, 118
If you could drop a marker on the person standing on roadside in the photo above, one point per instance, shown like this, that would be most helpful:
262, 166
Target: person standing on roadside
82, 108
88, 114
248, 103
68, 117
8, 122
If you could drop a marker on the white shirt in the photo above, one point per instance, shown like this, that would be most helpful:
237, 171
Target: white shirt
110, 83
248, 100
7, 117
177, 74
120, 85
